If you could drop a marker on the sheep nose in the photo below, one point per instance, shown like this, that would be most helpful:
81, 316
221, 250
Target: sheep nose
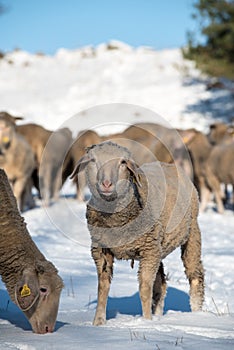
48, 329
106, 183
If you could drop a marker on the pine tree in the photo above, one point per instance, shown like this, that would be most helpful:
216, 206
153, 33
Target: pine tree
216, 19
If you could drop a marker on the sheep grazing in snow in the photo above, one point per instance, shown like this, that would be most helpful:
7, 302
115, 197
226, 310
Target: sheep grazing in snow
140, 213
31, 280
17, 159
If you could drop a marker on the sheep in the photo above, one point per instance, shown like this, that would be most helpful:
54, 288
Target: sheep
17, 159
221, 133
37, 137
218, 169
199, 149
31, 280
212, 165
52, 162
140, 213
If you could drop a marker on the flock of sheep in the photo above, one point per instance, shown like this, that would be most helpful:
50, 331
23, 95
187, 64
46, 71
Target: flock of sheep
34, 156
144, 183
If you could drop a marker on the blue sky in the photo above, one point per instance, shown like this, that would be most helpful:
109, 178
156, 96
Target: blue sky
46, 25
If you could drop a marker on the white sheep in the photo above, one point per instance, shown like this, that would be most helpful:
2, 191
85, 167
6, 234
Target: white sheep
31, 280
141, 214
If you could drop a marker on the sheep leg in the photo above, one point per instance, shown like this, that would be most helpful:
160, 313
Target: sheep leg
80, 186
214, 184
57, 185
159, 291
104, 264
18, 189
191, 257
205, 197
147, 270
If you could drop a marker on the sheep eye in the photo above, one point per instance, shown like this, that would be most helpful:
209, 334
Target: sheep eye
123, 162
43, 290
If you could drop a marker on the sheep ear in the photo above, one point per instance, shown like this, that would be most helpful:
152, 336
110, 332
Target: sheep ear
10, 117
187, 136
45, 266
134, 169
80, 165
230, 131
27, 290
18, 118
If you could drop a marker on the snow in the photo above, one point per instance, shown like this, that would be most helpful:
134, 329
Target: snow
133, 84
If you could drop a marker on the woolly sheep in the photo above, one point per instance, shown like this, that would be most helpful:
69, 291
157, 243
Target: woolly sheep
140, 213
32, 281
17, 159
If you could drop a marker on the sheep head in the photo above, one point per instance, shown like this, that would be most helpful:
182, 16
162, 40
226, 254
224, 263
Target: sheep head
37, 294
109, 170
7, 128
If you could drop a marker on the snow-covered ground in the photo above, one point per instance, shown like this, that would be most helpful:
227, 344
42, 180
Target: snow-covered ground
50, 91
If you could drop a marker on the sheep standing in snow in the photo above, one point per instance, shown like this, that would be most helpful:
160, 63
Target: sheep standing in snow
140, 214
17, 159
52, 164
32, 281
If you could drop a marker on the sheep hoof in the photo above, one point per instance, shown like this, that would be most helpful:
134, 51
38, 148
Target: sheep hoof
99, 321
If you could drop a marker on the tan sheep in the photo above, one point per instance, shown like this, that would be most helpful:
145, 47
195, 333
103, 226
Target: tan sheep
141, 214
17, 159
37, 136
52, 162
221, 133
219, 169
213, 165
31, 280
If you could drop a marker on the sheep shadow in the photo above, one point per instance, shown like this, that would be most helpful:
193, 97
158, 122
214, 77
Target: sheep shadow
11, 313
175, 300
218, 104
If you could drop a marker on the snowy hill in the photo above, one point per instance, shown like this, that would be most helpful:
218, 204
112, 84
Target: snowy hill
50, 90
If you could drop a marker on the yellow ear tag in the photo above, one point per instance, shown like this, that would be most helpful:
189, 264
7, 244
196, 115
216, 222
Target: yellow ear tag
5, 139
185, 139
25, 292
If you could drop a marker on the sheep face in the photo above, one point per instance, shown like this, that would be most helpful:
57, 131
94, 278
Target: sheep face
109, 180
109, 171
37, 294
6, 134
